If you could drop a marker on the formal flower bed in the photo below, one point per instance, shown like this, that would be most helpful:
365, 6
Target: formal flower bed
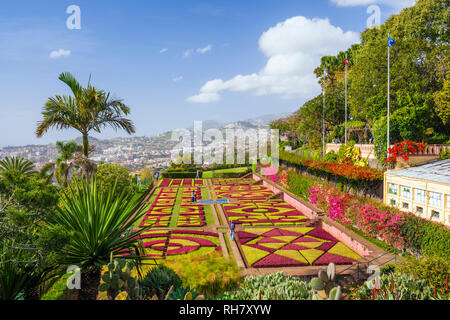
240, 188
186, 197
232, 181
244, 195
264, 213
160, 211
191, 216
181, 183
170, 244
292, 246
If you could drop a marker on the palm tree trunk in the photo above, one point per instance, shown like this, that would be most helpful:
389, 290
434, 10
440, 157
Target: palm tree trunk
85, 144
90, 280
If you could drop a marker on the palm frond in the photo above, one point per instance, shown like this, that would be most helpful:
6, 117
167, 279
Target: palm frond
20, 164
71, 82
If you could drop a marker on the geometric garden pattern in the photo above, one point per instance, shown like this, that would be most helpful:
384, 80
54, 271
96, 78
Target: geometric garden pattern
275, 234
293, 246
263, 213
171, 243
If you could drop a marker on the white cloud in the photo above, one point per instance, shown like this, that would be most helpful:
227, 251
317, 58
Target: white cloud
399, 4
163, 50
204, 97
205, 49
59, 53
176, 79
293, 48
187, 53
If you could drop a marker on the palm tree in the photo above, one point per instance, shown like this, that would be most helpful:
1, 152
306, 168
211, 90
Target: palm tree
100, 224
88, 109
20, 164
61, 169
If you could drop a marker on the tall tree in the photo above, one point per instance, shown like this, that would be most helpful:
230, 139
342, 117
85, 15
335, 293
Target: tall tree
421, 33
60, 169
88, 109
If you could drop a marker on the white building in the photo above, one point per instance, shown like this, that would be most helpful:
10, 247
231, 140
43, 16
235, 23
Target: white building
422, 190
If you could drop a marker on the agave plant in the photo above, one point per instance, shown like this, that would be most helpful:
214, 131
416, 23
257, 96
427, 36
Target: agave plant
100, 224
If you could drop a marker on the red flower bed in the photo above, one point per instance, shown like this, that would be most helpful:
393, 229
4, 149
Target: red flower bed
327, 258
346, 170
403, 150
165, 183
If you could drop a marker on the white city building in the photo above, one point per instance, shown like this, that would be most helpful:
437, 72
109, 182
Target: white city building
422, 190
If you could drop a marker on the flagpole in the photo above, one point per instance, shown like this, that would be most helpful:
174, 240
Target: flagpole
388, 95
346, 101
323, 115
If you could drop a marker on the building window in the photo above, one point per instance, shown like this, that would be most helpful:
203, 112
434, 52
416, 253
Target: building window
435, 215
419, 210
420, 195
393, 188
393, 202
405, 205
406, 192
435, 199
448, 201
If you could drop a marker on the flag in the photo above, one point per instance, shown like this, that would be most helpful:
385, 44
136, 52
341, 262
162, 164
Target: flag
391, 42
346, 61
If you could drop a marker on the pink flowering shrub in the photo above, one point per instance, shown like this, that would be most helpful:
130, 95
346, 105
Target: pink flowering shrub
381, 223
278, 178
374, 221
330, 200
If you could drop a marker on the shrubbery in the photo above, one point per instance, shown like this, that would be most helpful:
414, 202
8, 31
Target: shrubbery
435, 270
158, 281
298, 184
274, 286
397, 286
423, 236
209, 274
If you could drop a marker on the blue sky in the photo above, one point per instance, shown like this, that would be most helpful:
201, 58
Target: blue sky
172, 62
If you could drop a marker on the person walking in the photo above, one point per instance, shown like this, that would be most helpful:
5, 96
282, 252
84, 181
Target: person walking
232, 227
193, 196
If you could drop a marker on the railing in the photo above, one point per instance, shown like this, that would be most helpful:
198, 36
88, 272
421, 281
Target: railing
358, 264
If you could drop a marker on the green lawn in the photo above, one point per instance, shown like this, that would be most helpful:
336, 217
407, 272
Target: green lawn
176, 209
209, 174
208, 211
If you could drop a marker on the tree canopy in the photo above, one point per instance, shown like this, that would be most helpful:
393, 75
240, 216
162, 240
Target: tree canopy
419, 83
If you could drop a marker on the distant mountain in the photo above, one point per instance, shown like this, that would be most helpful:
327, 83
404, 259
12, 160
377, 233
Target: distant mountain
268, 118
252, 123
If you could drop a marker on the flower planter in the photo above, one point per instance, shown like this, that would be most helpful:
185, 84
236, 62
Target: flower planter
415, 160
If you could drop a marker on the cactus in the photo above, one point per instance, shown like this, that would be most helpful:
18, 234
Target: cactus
324, 284
331, 271
187, 296
323, 275
316, 297
335, 293
118, 282
317, 284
